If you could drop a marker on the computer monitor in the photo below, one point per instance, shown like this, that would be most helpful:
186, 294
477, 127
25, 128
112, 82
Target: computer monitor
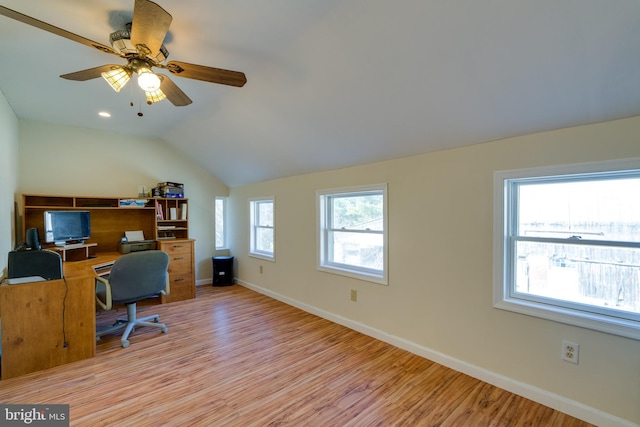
67, 227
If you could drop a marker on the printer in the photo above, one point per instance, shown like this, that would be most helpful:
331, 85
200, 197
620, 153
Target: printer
134, 241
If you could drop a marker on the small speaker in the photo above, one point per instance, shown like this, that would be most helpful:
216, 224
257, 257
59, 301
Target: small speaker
33, 239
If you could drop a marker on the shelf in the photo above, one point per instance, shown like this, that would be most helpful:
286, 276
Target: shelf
48, 201
172, 220
75, 253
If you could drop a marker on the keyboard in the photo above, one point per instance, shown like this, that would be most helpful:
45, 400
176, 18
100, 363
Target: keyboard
103, 269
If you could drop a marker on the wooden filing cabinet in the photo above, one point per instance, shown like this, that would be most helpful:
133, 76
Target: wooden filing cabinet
181, 268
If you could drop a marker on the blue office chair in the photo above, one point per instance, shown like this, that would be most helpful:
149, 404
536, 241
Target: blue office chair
133, 277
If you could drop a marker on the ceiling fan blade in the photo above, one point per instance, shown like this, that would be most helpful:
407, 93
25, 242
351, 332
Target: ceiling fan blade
173, 92
53, 29
90, 73
150, 25
207, 74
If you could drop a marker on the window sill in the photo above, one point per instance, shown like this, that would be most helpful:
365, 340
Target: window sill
261, 256
608, 324
380, 280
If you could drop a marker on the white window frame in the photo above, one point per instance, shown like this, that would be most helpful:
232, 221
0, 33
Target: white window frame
225, 226
504, 295
323, 215
253, 212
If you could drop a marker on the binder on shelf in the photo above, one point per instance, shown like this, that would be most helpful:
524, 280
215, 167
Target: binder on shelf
159, 214
183, 211
173, 214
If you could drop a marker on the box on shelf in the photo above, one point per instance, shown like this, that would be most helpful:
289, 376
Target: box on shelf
170, 184
169, 192
133, 203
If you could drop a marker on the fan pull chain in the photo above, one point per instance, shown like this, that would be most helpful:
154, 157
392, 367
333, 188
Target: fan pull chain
140, 103
131, 95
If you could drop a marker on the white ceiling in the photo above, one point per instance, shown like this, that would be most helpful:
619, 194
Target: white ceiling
334, 83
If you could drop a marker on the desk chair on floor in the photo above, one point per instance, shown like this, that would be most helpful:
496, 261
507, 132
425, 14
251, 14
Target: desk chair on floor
133, 277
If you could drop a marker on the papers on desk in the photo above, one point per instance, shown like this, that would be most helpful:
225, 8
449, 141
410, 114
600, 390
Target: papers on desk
19, 280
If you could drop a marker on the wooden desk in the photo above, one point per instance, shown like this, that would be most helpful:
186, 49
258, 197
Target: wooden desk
39, 318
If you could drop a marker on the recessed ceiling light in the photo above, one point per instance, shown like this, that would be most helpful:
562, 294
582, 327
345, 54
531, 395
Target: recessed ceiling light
104, 114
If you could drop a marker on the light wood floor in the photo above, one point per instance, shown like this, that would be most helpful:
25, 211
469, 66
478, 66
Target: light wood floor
233, 357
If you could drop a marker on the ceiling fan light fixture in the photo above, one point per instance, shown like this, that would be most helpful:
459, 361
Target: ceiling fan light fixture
155, 96
117, 78
121, 43
147, 80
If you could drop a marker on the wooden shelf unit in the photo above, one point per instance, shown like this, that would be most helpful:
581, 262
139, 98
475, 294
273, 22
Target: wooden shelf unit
109, 220
172, 219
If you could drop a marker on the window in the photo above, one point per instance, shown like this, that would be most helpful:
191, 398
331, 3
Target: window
567, 244
353, 232
221, 222
262, 228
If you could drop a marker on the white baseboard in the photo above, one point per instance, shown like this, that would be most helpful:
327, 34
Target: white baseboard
204, 282
544, 397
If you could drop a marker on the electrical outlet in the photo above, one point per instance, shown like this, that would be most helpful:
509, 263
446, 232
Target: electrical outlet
354, 295
570, 352
260, 269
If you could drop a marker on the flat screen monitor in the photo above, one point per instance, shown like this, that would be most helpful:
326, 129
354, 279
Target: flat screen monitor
67, 227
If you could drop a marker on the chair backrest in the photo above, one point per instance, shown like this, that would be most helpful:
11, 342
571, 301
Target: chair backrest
138, 275
44, 263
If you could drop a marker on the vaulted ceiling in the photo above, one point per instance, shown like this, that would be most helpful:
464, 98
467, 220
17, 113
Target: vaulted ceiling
334, 83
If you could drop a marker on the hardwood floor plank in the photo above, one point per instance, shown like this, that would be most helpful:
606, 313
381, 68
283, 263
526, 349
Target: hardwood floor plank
233, 357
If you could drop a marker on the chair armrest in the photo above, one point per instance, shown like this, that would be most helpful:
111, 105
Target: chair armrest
167, 288
105, 305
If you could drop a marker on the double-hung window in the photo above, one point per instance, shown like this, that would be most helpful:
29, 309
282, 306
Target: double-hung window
567, 244
221, 222
353, 232
262, 228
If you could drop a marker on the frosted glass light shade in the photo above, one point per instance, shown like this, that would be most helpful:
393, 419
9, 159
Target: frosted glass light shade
117, 78
147, 80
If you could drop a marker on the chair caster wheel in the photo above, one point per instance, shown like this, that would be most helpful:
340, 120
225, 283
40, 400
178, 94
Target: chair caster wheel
165, 330
125, 343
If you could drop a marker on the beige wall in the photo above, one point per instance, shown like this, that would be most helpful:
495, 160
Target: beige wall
8, 179
439, 297
66, 160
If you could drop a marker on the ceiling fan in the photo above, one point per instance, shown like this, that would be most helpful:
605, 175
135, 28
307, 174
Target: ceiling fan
141, 44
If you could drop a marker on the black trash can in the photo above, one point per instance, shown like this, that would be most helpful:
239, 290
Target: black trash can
222, 270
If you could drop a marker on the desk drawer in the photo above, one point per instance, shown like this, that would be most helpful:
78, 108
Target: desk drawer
181, 273
179, 262
181, 287
179, 268
175, 248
